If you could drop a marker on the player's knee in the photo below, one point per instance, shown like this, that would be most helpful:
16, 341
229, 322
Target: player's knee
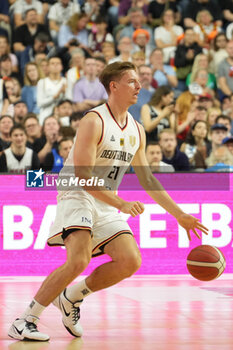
78, 265
131, 263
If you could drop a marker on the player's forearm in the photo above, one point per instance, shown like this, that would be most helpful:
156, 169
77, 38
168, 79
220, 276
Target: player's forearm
156, 191
98, 191
108, 197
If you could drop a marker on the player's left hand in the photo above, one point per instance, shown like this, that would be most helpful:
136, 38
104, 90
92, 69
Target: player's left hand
190, 223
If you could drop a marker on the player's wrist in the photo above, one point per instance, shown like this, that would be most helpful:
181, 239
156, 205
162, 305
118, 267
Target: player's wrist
120, 203
178, 214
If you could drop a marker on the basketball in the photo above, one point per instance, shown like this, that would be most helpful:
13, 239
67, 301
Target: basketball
206, 262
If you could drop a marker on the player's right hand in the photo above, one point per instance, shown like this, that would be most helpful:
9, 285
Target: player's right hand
132, 208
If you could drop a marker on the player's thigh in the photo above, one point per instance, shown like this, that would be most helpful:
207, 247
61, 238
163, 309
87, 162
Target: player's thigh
78, 247
124, 250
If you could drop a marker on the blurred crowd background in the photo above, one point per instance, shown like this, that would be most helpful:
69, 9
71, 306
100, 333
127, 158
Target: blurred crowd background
52, 53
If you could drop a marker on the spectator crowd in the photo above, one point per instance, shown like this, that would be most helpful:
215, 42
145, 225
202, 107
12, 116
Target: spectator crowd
52, 53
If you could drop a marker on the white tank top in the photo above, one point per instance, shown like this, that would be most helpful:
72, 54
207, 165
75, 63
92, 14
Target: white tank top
115, 149
13, 165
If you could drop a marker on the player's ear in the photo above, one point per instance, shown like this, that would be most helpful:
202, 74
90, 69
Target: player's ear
112, 85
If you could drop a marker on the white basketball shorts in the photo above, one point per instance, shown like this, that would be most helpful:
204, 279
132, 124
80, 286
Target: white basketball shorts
102, 220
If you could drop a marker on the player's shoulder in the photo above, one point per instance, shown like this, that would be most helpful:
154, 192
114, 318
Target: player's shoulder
92, 118
97, 112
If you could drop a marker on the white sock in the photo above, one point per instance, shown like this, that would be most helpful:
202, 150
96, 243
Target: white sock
34, 309
78, 291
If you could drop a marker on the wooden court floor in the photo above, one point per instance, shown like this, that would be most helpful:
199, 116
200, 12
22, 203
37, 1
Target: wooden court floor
140, 313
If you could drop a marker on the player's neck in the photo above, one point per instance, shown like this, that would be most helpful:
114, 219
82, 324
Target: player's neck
119, 111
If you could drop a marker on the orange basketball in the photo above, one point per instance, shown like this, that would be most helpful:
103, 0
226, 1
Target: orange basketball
206, 262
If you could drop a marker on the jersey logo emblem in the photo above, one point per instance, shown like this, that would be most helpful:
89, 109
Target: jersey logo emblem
112, 138
132, 140
122, 142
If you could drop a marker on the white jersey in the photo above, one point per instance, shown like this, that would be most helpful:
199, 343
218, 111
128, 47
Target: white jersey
115, 149
13, 165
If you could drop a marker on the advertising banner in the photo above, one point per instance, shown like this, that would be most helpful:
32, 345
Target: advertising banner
26, 215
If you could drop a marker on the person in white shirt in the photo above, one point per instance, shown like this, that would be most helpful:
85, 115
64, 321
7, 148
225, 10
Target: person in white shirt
18, 158
167, 34
76, 70
51, 90
59, 14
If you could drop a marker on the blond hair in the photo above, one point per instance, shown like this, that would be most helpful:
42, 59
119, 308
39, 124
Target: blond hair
138, 54
212, 109
196, 67
166, 131
221, 154
73, 21
198, 71
198, 18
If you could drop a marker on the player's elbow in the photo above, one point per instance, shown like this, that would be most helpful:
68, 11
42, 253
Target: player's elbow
83, 172
147, 182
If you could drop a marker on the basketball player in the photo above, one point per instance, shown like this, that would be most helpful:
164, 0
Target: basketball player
87, 221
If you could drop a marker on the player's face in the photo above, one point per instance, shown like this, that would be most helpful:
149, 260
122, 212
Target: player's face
128, 87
